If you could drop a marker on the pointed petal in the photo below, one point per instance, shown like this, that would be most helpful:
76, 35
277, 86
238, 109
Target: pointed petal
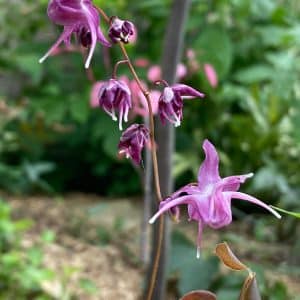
199, 238
177, 201
102, 39
93, 45
209, 170
64, 36
185, 90
232, 183
246, 197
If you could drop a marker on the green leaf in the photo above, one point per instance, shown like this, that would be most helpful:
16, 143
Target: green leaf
30, 65
296, 215
194, 274
215, 47
79, 109
254, 74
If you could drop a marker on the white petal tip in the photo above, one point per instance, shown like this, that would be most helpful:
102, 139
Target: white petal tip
198, 253
41, 60
275, 213
151, 221
250, 175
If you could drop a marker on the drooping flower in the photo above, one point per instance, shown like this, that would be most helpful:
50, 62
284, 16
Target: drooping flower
120, 30
79, 17
133, 141
170, 103
209, 200
115, 95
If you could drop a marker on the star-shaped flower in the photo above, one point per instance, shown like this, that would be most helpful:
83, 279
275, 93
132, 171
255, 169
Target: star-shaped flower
209, 200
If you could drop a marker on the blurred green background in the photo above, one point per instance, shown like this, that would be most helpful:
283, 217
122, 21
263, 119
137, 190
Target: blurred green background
53, 142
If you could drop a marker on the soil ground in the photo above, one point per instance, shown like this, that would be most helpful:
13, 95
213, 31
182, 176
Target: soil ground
98, 240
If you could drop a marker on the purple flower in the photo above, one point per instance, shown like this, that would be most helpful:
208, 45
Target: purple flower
115, 95
120, 30
209, 200
133, 141
171, 102
79, 17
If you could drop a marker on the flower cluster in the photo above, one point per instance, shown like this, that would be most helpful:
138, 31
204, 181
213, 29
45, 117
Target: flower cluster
209, 200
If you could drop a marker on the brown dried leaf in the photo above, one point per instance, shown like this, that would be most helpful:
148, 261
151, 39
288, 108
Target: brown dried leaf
228, 258
199, 295
250, 289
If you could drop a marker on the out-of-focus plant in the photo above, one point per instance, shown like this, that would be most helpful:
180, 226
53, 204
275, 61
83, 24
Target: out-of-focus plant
21, 270
255, 105
186, 276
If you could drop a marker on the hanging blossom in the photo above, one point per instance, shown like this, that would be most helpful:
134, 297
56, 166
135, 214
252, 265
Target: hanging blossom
120, 31
170, 103
209, 200
79, 17
139, 103
115, 95
133, 141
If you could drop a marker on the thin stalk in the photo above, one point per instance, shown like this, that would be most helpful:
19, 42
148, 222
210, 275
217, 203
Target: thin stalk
114, 75
154, 160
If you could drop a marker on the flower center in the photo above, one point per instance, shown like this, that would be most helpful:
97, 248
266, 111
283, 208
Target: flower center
168, 95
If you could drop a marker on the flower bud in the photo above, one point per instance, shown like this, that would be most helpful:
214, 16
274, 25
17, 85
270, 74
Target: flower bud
120, 30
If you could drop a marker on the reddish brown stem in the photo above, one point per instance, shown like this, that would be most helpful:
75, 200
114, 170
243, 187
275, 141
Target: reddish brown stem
154, 159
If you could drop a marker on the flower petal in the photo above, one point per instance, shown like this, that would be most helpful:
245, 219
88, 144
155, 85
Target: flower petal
209, 170
246, 197
170, 204
64, 36
199, 238
232, 183
185, 90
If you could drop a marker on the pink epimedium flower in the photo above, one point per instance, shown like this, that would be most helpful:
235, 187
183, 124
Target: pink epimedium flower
170, 103
79, 17
133, 141
94, 100
209, 200
120, 31
154, 72
140, 106
114, 95
211, 75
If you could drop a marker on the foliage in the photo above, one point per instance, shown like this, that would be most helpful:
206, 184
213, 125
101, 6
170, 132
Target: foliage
206, 274
253, 46
21, 270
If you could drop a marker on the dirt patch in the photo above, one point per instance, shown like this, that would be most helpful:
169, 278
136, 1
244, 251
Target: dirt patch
98, 240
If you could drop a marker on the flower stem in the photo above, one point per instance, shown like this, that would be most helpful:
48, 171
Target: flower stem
114, 75
154, 159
